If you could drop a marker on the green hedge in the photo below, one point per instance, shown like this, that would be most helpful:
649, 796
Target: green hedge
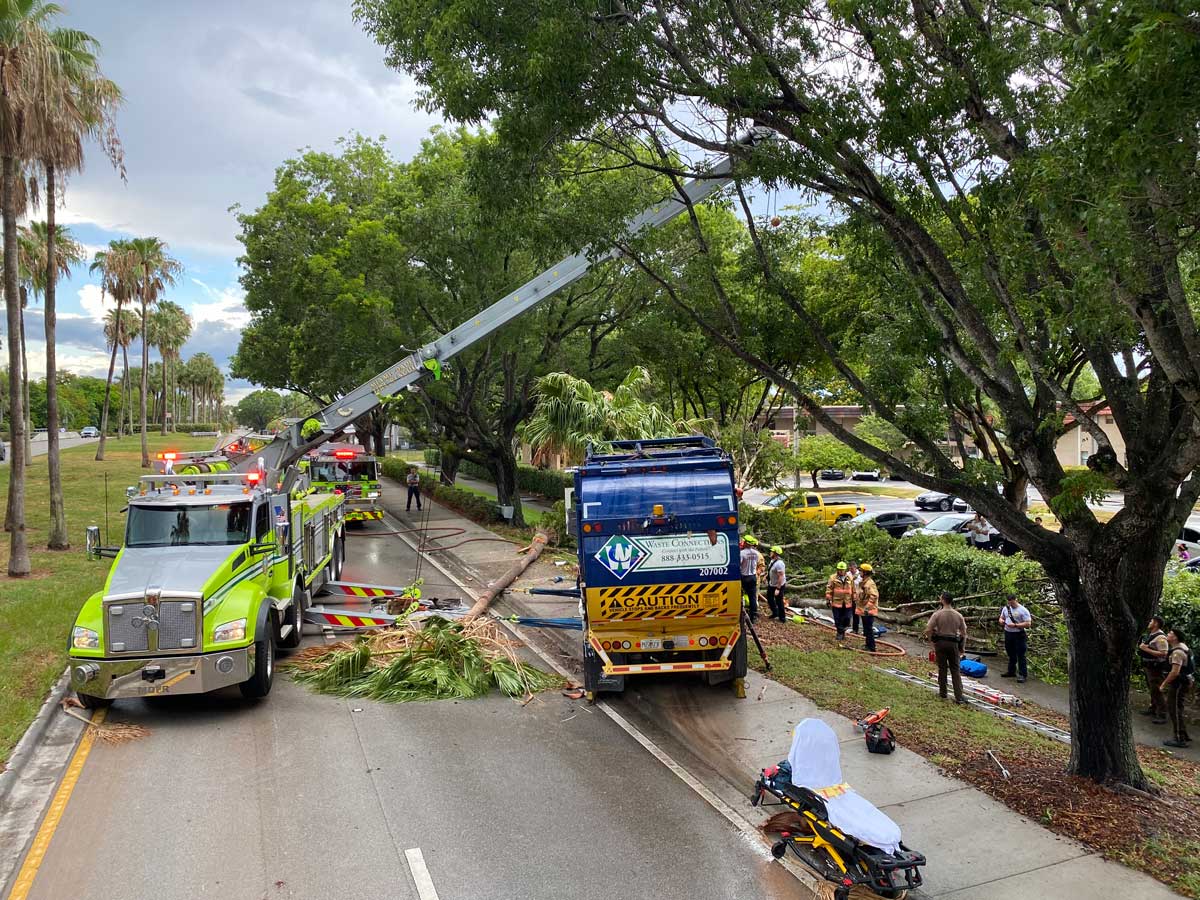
184, 427
1181, 604
548, 483
476, 508
916, 568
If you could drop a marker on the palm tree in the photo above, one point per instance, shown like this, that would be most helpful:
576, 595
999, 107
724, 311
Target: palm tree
170, 327
41, 246
29, 66
570, 414
155, 269
116, 280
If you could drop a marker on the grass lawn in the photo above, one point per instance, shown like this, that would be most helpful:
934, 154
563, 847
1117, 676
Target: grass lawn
879, 490
1157, 837
36, 612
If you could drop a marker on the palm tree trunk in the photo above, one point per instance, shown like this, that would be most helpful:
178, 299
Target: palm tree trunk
25, 392
58, 539
145, 371
112, 365
163, 411
18, 560
126, 391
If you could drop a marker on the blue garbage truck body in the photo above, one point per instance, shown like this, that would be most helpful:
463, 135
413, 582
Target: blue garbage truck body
657, 529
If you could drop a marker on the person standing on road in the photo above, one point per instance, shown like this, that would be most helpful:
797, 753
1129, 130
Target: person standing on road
947, 629
1153, 651
840, 594
1016, 621
749, 560
413, 480
856, 577
866, 604
776, 582
1177, 684
980, 532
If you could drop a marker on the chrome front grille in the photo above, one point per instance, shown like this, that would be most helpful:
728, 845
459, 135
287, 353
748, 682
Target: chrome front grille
152, 624
124, 636
177, 625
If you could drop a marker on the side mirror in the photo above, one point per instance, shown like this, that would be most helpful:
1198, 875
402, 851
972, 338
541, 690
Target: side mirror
256, 549
92, 542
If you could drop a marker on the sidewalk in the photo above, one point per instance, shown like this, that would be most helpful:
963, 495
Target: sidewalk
977, 848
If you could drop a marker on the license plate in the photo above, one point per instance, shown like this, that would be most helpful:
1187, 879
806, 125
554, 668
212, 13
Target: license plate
650, 644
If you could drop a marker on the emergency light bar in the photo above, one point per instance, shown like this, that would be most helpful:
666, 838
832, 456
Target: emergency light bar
343, 454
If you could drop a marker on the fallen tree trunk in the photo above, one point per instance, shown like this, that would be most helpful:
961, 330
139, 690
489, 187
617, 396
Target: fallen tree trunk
498, 587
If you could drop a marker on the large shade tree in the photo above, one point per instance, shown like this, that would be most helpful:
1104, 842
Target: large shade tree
1025, 173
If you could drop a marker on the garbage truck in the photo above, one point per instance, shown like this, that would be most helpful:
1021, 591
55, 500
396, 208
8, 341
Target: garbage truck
656, 523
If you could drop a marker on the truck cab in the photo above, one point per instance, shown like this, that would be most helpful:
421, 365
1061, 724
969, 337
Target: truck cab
346, 468
657, 527
213, 575
813, 507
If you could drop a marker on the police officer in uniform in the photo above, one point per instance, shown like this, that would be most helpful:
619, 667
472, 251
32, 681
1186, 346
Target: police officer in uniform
947, 629
1177, 684
1153, 651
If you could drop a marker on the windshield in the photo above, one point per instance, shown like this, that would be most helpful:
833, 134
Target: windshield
777, 500
944, 523
169, 526
337, 470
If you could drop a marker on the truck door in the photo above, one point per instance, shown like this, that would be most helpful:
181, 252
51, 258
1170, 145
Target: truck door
283, 532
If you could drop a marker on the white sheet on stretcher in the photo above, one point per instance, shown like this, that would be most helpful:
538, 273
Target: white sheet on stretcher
816, 762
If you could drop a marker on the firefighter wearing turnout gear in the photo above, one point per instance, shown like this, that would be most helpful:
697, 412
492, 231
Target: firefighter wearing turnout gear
840, 594
866, 604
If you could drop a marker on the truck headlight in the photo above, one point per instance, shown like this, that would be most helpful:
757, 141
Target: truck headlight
230, 631
84, 639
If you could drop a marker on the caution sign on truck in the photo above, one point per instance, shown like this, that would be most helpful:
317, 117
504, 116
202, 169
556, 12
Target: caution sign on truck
657, 527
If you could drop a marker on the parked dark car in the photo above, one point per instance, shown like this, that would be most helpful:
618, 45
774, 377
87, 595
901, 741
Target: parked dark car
937, 500
833, 474
894, 523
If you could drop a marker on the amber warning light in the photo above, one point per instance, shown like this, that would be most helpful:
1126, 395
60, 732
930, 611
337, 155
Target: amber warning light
169, 455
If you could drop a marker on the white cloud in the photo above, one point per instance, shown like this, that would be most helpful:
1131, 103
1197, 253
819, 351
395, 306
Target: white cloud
95, 303
226, 307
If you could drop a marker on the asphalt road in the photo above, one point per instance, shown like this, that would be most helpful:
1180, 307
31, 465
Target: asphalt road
40, 445
304, 796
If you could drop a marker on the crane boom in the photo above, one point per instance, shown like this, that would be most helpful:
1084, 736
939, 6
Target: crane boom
290, 445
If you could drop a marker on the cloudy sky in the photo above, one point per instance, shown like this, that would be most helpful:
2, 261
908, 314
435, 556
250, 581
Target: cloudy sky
217, 94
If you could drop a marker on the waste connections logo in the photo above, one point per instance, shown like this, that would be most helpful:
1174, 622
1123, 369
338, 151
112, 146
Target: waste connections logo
620, 555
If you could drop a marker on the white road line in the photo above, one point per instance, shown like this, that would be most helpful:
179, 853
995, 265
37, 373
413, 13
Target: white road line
756, 839
420, 874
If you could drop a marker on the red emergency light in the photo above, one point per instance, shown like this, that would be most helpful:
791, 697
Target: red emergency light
254, 477
343, 454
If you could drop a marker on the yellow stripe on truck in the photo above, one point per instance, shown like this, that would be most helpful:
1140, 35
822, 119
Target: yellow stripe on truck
664, 601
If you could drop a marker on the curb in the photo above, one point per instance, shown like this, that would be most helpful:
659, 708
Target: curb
25, 748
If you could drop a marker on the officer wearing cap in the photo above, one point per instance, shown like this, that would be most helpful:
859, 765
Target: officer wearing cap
866, 603
749, 560
840, 594
776, 581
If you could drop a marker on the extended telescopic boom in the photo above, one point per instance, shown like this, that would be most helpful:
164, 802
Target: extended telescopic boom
290, 445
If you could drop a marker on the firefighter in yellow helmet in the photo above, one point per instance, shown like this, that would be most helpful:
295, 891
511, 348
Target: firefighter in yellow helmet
866, 603
840, 594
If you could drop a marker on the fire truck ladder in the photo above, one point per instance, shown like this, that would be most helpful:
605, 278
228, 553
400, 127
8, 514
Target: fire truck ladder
1010, 715
292, 444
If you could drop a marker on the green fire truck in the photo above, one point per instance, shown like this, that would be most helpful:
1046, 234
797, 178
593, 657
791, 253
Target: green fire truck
216, 570
348, 469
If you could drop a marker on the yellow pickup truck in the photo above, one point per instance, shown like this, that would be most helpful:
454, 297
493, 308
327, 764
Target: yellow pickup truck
813, 506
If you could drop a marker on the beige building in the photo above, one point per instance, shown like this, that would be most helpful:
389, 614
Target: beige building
1074, 447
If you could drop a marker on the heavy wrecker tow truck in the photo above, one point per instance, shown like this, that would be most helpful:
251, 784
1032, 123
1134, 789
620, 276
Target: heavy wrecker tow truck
223, 551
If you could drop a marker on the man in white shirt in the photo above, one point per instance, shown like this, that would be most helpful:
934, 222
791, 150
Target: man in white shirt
749, 559
1016, 621
776, 581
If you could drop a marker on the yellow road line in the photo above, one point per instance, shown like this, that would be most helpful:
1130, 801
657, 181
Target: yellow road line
45, 833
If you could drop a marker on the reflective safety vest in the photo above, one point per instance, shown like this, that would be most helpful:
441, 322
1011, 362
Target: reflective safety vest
866, 599
840, 591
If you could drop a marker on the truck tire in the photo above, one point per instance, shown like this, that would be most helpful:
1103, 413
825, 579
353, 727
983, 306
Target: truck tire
259, 684
295, 618
842, 518
90, 702
339, 557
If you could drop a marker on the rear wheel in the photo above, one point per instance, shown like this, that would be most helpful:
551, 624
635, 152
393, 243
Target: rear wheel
944, 506
843, 518
90, 702
339, 557
259, 684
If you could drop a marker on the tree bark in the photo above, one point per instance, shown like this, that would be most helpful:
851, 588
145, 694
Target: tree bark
145, 370
18, 560
449, 467
58, 539
163, 411
25, 389
503, 463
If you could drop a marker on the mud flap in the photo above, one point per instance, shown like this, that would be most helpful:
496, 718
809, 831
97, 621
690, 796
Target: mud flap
594, 679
